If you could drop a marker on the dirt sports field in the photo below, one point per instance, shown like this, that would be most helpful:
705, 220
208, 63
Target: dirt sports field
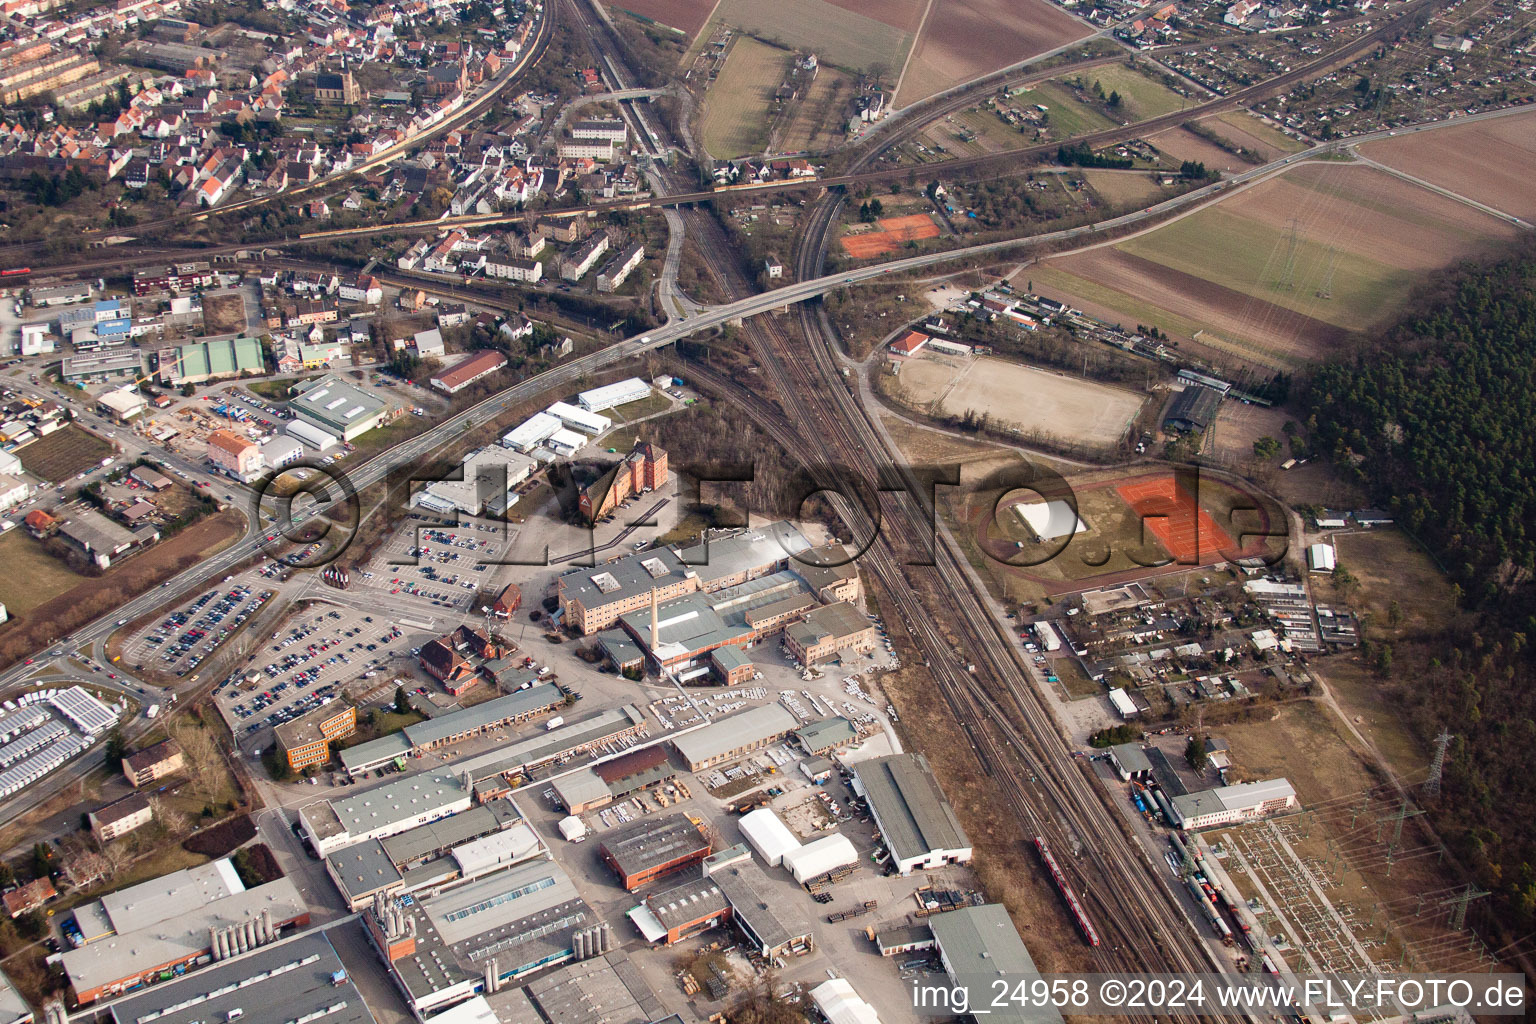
1284, 272
687, 16
1489, 161
893, 233
1034, 401
1184, 529
736, 108
856, 35
962, 39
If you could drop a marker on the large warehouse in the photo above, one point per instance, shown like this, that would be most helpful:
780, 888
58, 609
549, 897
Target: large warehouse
652, 848
401, 804
735, 735
511, 709
979, 944
919, 826
610, 395
338, 406
768, 835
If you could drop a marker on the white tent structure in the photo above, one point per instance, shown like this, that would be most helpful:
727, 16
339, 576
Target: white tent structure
840, 1004
825, 854
769, 836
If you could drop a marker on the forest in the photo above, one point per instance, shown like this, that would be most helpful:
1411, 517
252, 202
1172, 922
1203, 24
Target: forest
1434, 419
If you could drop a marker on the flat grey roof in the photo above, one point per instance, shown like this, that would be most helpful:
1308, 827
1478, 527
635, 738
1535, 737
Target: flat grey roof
172, 895
837, 621
550, 743
682, 904
624, 577
715, 557
12, 1006
906, 799
126, 954
981, 942
747, 888
399, 799
733, 732
580, 787
1131, 757
334, 402
375, 752
520, 702
492, 905
363, 869
607, 988
439, 836
730, 657
287, 981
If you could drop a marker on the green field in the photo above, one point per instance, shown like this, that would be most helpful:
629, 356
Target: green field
1140, 97
836, 35
1067, 116
1249, 257
650, 405
32, 576
738, 105
64, 453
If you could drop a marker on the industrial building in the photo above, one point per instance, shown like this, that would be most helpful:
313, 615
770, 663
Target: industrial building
918, 825
1224, 805
619, 393
495, 771
199, 361
772, 925
979, 944
606, 987
820, 856
398, 805
306, 741
733, 736
175, 921
831, 631
468, 370
827, 735
681, 911
13, 1008
472, 937
839, 1003
579, 419
297, 979
679, 636
337, 406
1130, 761
603, 783
652, 848
531, 433
593, 599
490, 477
511, 709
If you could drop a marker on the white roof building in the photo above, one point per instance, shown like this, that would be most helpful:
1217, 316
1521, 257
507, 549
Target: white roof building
610, 395
1322, 558
565, 442
311, 435
840, 1004
1123, 704
579, 419
1226, 804
768, 835
531, 433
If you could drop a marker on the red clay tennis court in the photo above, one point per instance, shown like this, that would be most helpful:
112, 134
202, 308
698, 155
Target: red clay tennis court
1186, 531
894, 231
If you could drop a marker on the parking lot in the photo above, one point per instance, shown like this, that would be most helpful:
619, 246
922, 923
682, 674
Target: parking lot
311, 659
443, 568
187, 636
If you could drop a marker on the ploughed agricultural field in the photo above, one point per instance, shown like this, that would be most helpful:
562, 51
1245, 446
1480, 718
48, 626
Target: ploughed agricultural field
737, 106
1490, 161
687, 16
962, 39
1034, 402
856, 36
1281, 273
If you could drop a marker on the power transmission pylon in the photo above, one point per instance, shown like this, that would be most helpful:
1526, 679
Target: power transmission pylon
1402, 814
1458, 905
1325, 290
1437, 766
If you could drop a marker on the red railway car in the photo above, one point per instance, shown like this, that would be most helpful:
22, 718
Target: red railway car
1064, 887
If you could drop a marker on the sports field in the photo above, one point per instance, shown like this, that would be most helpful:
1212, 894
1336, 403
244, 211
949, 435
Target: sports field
1284, 272
1143, 525
737, 106
1033, 402
1184, 529
847, 37
963, 39
894, 232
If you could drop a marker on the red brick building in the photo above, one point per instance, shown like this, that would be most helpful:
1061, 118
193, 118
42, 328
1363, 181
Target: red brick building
644, 468
652, 848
